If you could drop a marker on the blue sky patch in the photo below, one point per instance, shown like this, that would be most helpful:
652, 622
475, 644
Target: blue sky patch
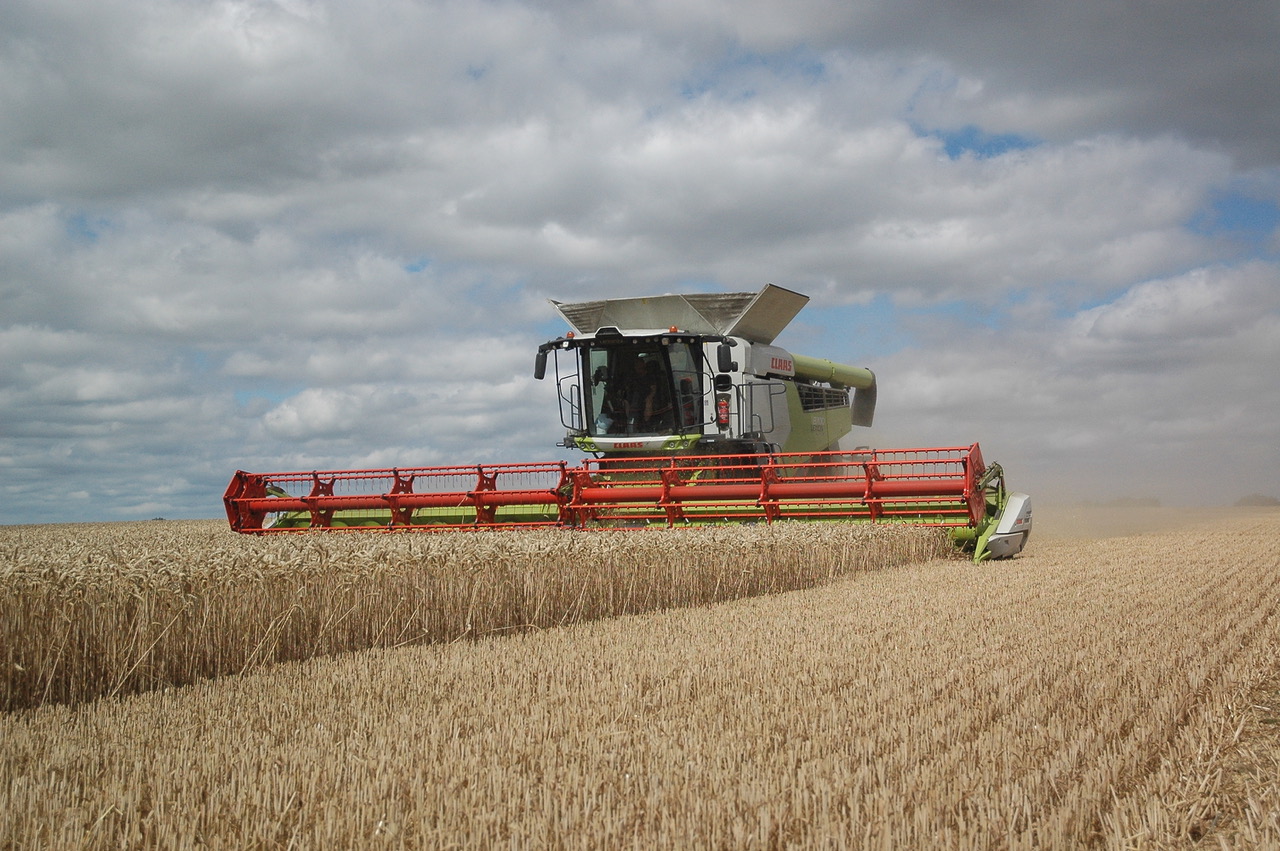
1067, 304
196, 360
975, 141
271, 392
725, 75
857, 334
1249, 219
864, 334
83, 228
974, 314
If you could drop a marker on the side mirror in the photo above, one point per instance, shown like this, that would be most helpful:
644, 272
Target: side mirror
724, 358
540, 365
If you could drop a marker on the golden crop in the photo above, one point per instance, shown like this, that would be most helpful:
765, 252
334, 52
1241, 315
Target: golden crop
114, 609
1113, 692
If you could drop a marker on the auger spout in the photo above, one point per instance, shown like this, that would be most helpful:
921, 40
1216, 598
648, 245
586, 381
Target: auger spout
835, 374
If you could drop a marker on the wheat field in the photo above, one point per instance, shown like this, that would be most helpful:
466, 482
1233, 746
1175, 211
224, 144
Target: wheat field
107, 609
1109, 690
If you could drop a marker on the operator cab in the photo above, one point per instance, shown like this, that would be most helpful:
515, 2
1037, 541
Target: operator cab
640, 388
634, 391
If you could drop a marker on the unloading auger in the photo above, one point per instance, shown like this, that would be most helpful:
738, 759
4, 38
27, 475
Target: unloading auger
691, 415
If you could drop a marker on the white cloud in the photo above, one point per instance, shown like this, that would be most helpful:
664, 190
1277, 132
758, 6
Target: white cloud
321, 413
1162, 392
1158, 321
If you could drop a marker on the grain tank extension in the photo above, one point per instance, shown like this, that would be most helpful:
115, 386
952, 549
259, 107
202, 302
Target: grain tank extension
686, 373
691, 414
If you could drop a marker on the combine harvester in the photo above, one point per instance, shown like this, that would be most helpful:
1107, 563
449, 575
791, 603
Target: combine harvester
692, 415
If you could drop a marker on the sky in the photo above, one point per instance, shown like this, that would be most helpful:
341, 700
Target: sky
290, 235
